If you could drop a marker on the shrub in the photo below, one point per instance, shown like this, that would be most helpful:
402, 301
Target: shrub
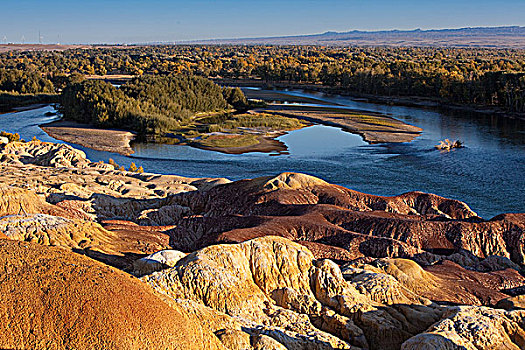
11, 137
133, 167
113, 163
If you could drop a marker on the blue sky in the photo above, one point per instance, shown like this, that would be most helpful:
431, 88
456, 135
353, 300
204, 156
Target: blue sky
112, 21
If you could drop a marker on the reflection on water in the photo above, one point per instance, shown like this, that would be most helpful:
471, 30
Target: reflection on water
488, 173
320, 141
313, 141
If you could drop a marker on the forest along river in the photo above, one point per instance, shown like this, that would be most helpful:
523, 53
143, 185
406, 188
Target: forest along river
488, 174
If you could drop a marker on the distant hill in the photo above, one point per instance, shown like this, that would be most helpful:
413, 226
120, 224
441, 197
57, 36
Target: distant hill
498, 37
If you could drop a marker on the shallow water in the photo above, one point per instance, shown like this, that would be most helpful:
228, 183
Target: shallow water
488, 174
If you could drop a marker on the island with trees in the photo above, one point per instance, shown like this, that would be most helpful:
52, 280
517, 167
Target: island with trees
177, 109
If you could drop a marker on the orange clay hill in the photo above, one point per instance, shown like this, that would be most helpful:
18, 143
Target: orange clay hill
55, 299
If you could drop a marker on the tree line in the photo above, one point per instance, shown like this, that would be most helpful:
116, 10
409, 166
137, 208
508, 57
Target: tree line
484, 76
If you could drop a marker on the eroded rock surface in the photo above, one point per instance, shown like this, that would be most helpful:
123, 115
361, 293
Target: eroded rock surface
26, 216
17, 201
274, 286
116, 248
423, 227
46, 154
51, 298
473, 328
62, 175
157, 261
303, 264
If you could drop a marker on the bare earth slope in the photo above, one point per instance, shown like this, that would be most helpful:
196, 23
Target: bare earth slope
278, 262
54, 299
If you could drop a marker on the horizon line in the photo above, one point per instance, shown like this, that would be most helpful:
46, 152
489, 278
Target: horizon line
189, 41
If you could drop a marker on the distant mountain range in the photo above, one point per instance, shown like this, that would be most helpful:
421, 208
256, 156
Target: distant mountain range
500, 37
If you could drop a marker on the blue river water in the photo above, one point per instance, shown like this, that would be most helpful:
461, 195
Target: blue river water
488, 174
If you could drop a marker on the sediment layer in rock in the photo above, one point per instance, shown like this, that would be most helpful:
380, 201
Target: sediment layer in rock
287, 261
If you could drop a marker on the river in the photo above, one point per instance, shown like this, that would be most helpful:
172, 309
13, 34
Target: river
488, 174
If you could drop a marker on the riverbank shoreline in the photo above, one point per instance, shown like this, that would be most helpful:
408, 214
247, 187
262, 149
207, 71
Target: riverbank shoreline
373, 128
266, 144
118, 141
409, 101
115, 141
13, 102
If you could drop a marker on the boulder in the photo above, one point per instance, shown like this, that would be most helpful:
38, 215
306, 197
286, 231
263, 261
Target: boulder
156, 262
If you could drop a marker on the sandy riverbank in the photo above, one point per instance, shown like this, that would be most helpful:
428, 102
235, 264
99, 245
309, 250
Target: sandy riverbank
265, 144
374, 128
116, 141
